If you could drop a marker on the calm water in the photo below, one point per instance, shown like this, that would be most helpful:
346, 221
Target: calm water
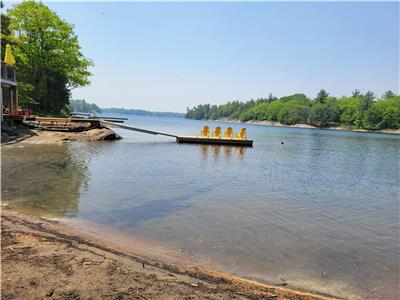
320, 211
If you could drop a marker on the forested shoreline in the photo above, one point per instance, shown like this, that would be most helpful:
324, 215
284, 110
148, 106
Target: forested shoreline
80, 105
141, 112
359, 111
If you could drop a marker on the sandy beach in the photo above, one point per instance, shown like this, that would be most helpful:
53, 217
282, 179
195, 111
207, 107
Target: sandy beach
45, 259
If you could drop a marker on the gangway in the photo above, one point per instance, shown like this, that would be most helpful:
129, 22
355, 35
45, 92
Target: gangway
112, 124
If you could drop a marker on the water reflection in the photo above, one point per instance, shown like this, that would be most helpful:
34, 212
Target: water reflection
204, 151
227, 152
240, 152
44, 179
216, 150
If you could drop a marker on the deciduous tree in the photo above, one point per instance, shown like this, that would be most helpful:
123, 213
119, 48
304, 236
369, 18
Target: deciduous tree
49, 57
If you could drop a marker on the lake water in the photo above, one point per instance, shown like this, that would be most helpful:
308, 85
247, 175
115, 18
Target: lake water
320, 211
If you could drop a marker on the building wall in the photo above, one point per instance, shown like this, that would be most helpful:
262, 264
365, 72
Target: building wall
10, 98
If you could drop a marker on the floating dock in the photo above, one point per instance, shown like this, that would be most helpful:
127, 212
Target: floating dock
215, 141
185, 139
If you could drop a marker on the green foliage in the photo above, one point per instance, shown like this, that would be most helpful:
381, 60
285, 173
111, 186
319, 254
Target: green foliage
359, 111
322, 114
321, 96
80, 105
388, 94
350, 110
271, 98
383, 114
49, 59
356, 93
298, 97
367, 99
231, 110
5, 32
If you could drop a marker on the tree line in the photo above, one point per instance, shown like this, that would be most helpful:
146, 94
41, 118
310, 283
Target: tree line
142, 112
357, 111
80, 105
48, 56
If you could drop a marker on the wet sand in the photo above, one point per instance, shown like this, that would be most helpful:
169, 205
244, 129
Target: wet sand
44, 259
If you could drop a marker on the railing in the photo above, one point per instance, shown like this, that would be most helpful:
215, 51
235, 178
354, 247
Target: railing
8, 72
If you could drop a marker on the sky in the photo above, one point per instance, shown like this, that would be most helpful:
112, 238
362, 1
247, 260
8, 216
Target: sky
169, 56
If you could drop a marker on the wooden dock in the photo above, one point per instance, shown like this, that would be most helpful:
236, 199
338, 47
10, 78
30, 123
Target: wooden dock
214, 141
185, 139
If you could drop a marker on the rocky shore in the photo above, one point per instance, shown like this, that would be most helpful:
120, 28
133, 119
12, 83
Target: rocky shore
38, 136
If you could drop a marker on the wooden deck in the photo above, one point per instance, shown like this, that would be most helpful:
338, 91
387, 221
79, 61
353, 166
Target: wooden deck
214, 141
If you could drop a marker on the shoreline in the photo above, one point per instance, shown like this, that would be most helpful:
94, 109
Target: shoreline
43, 257
38, 136
306, 126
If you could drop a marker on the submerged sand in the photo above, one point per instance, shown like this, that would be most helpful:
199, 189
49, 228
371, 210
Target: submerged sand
44, 259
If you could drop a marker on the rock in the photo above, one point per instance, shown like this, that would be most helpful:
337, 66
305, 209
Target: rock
96, 134
102, 134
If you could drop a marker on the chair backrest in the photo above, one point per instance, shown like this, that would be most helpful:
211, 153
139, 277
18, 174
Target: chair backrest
217, 132
242, 133
228, 132
205, 131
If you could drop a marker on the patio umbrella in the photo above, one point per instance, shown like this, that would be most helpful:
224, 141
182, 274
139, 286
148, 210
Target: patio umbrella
9, 58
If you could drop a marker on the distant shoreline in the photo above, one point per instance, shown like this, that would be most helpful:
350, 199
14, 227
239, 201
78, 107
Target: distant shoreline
306, 126
140, 112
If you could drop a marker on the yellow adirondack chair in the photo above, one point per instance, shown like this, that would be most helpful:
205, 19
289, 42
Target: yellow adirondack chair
217, 132
242, 134
205, 131
228, 133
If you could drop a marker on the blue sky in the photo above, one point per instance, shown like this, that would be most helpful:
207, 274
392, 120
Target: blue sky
167, 56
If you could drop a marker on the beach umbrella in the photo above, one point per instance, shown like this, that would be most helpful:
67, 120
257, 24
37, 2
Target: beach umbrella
9, 58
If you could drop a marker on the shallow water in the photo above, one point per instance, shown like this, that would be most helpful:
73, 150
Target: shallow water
320, 211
